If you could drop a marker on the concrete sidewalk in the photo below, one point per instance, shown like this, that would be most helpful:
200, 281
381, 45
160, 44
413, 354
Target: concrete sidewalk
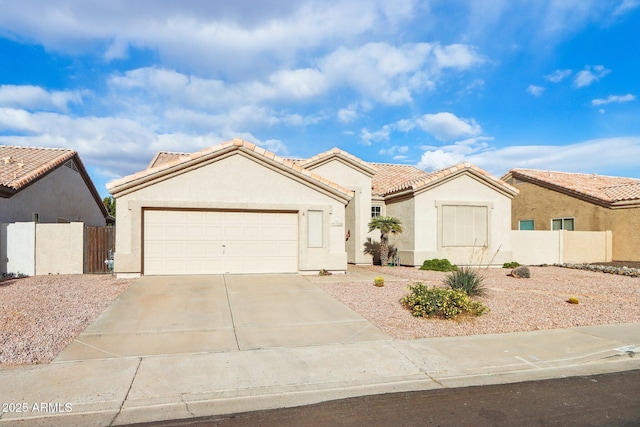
116, 391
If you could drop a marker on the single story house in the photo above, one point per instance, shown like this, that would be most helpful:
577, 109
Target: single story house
47, 185
237, 208
550, 200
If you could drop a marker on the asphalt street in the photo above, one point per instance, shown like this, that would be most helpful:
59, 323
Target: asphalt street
597, 400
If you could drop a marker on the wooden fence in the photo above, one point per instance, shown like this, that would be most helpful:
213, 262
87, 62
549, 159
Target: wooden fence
98, 241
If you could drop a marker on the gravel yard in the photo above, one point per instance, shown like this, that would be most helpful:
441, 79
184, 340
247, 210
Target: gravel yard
514, 304
40, 316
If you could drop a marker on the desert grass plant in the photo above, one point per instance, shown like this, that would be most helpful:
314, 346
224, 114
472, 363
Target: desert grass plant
438, 265
379, 281
511, 264
424, 301
573, 300
467, 280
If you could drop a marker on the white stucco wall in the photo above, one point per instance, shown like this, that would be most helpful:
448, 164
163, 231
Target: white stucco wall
17, 248
62, 193
427, 243
349, 177
235, 182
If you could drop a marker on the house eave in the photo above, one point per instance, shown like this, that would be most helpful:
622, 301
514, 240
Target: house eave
165, 173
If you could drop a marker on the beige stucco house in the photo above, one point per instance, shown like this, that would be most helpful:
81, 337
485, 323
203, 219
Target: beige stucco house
237, 208
551, 200
47, 185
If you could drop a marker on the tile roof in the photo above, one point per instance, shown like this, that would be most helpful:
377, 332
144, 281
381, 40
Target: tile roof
165, 157
174, 161
386, 178
390, 178
602, 188
19, 166
333, 152
395, 178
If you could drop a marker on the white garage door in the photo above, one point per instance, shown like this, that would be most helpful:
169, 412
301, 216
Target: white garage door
219, 242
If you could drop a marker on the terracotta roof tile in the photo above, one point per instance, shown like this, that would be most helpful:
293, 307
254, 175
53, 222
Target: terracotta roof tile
21, 165
164, 157
608, 189
394, 178
164, 161
335, 151
390, 178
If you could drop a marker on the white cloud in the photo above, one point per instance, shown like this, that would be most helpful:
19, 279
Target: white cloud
457, 56
391, 151
348, 114
613, 98
37, 98
589, 75
558, 75
443, 126
197, 34
447, 126
115, 146
368, 137
612, 156
438, 159
626, 6
435, 158
535, 90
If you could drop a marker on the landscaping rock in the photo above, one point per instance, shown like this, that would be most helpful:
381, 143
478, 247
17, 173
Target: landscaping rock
521, 272
622, 271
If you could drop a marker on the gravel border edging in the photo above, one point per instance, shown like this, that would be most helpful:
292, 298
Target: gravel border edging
622, 271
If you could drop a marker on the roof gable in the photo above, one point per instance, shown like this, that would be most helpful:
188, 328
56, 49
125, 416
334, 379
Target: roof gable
336, 153
431, 179
23, 166
599, 189
180, 163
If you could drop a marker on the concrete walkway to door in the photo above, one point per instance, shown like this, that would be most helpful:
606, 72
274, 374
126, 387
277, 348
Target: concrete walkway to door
194, 314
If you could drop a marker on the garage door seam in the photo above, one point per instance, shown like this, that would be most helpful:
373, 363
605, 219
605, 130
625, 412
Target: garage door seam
233, 323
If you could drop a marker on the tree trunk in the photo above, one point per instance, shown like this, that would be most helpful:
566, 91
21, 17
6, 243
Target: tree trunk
384, 250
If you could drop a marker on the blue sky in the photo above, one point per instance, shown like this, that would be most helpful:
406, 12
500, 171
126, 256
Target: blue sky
500, 83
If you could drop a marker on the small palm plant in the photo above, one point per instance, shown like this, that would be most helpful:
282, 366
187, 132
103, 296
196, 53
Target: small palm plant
386, 225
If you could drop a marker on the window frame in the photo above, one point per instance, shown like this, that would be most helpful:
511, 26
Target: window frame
315, 229
376, 214
533, 224
562, 221
488, 206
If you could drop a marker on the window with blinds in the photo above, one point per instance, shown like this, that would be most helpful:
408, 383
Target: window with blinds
464, 225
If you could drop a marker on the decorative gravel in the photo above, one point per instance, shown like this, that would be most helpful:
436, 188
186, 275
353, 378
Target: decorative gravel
41, 315
514, 304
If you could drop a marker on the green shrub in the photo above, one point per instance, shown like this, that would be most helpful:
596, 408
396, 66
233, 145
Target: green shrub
440, 302
511, 264
438, 265
378, 281
466, 280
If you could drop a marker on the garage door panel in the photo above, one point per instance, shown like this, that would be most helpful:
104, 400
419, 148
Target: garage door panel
218, 242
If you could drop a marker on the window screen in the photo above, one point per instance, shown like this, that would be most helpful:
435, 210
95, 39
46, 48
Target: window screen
314, 230
464, 225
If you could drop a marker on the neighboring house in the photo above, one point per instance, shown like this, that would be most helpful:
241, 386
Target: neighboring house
47, 185
236, 208
550, 200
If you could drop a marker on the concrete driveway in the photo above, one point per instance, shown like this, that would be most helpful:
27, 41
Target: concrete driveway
192, 314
